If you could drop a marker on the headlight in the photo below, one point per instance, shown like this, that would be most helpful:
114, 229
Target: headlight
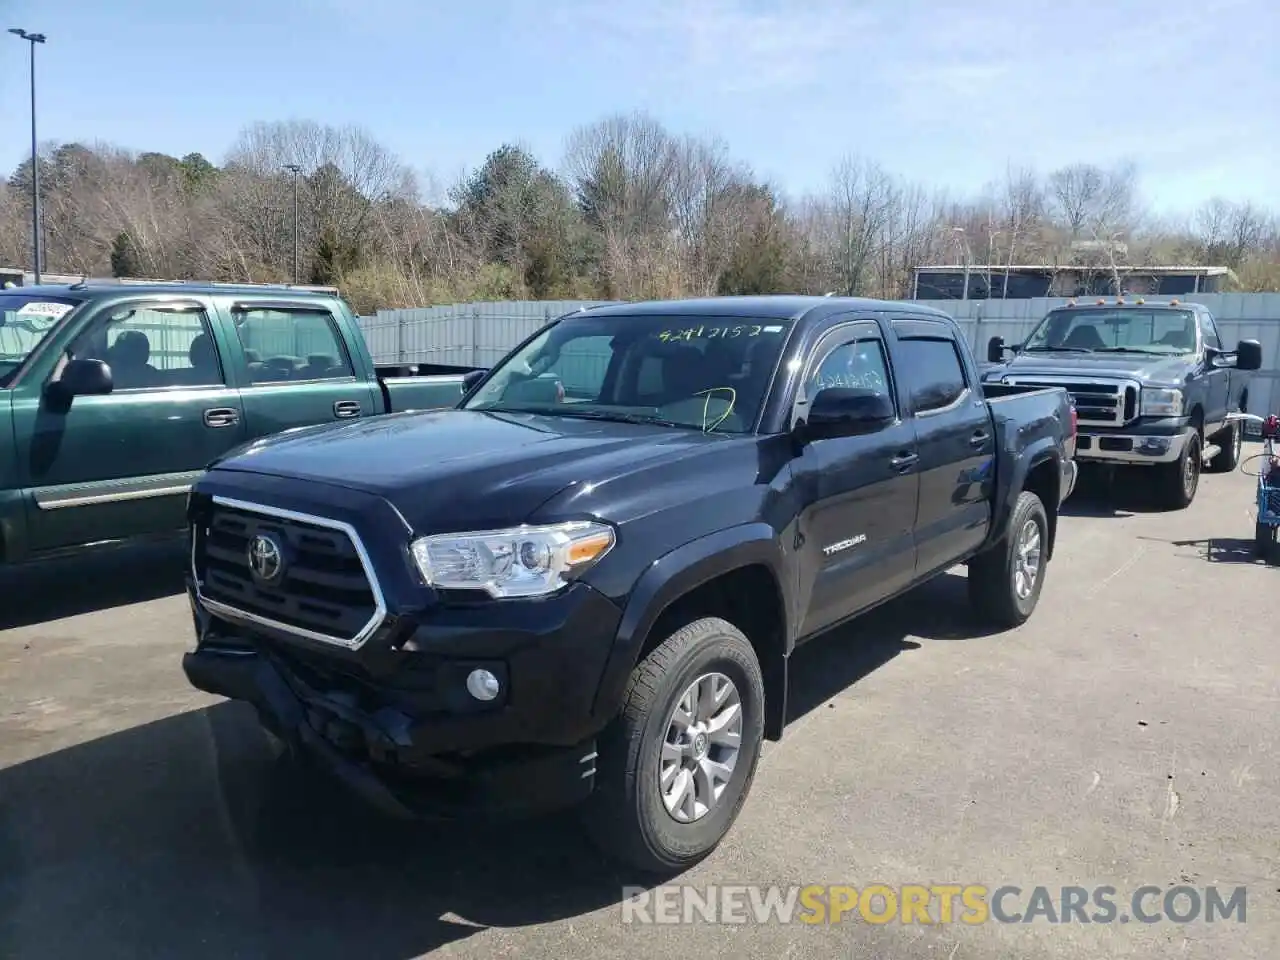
524, 561
1160, 402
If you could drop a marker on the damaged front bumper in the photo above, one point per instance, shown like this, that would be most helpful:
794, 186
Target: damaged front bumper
441, 768
361, 749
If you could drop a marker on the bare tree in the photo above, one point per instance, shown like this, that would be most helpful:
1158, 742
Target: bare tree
346, 173
861, 204
1090, 200
634, 211
1022, 215
1227, 233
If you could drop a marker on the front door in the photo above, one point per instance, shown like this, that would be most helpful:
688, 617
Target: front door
957, 444
856, 525
1217, 399
299, 371
118, 466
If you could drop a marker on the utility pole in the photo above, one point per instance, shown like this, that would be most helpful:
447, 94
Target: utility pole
295, 170
37, 252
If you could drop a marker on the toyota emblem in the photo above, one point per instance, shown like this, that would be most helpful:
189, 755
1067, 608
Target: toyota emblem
266, 558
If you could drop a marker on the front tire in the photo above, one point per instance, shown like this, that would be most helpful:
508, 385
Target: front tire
1005, 581
676, 765
1177, 482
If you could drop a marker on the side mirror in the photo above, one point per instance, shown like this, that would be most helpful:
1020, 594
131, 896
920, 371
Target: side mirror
81, 378
996, 349
847, 412
471, 378
1249, 355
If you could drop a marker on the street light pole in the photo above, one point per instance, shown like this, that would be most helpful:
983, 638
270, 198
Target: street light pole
295, 169
33, 39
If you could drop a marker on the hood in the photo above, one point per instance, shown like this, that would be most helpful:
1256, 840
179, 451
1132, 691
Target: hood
1134, 366
463, 469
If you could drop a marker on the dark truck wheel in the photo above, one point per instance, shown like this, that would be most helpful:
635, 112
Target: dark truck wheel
1005, 581
676, 765
1176, 482
1230, 442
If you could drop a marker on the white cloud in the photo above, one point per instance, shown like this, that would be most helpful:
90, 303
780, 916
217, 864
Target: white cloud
728, 45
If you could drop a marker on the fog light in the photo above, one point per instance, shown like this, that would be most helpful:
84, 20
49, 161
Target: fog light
482, 684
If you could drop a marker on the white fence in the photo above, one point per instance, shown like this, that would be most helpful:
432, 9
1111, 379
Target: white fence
479, 334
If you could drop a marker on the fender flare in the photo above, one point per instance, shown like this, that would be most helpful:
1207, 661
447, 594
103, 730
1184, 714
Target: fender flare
1020, 466
675, 574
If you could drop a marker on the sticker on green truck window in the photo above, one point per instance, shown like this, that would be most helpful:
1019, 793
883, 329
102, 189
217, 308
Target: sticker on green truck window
50, 312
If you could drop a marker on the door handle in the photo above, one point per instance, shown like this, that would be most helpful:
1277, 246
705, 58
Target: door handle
344, 409
979, 438
221, 417
904, 461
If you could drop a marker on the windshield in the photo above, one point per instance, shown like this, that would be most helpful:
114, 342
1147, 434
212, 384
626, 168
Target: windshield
1119, 330
25, 320
703, 373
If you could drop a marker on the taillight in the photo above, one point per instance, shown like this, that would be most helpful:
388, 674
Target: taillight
1075, 420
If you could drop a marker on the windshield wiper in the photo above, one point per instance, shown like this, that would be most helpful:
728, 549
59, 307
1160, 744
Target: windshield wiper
1056, 350
1146, 350
620, 417
601, 415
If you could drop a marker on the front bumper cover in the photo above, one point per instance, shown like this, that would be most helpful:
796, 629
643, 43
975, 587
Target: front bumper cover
359, 748
398, 727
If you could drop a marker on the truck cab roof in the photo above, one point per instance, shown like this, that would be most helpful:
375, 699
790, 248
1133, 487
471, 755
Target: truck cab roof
773, 306
90, 288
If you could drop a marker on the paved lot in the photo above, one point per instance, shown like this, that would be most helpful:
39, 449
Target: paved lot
1127, 736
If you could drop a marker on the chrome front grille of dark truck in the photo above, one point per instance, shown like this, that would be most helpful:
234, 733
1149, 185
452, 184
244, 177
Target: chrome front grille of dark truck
325, 589
1099, 403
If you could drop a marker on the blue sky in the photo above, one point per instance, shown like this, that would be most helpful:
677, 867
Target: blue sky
943, 92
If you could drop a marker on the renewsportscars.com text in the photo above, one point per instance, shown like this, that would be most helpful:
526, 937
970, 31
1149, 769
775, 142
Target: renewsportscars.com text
930, 904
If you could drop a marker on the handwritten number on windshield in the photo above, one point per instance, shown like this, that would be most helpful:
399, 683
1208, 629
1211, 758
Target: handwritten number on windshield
711, 333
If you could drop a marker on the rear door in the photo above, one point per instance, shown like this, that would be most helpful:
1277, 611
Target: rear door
297, 370
955, 438
118, 466
856, 526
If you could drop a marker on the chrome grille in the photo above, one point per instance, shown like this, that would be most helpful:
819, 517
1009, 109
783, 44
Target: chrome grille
326, 592
1098, 403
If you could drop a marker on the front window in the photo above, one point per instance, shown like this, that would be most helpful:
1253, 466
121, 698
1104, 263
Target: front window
703, 373
25, 320
1122, 330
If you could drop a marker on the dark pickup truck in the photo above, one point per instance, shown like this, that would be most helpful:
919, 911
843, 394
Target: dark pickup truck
114, 397
1152, 384
585, 582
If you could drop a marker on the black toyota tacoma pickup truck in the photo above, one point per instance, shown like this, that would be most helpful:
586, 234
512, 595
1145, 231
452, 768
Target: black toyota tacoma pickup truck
1152, 383
585, 582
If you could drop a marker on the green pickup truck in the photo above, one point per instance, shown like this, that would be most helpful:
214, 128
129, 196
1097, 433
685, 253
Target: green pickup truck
113, 398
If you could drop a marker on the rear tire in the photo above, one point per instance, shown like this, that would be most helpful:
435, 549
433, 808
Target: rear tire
1177, 482
1005, 581
1231, 440
644, 759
